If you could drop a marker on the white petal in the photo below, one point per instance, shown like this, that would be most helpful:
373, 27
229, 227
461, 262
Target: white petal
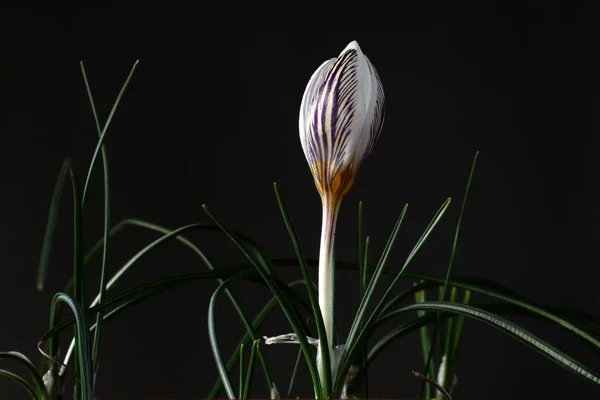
308, 100
376, 111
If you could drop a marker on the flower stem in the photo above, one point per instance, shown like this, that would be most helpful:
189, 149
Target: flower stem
326, 265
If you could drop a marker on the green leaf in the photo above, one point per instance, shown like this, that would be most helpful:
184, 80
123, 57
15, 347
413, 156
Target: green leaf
41, 392
21, 382
212, 335
482, 288
78, 271
362, 267
51, 224
84, 379
450, 264
425, 342
398, 331
241, 391
283, 300
355, 340
250, 370
361, 315
294, 371
509, 328
103, 133
102, 291
246, 338
434, 384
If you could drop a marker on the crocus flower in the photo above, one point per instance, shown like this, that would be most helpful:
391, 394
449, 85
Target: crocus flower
341, 117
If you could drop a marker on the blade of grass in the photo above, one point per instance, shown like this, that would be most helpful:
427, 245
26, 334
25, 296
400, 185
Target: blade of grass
452, 354
250, 370
511, 329
103, 133
283, 301
223, 370
51, 225
356, 339
249, 336
358, 321
314, 302
464, 284
451, 262
365, 374
398, 331
362, 268
459, 327
20, 381
132, 261
488, 288
150, 226
153, 288
405, 294
293, 377
152, 246
241, 391
84, 380
433, 384
425, 340
212, 335
102, 291
20, 358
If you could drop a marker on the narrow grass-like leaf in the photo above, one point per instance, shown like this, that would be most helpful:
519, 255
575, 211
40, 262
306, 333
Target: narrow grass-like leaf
152, 246
103, 133
314, 301
434, 384
362, 268
361, 315
452, 353
451, 262
366, 261
561, 316
248, 337
405, 294
511, 329
293, 377
425, 341
480, 287
20, 381
106, 225
398, 331
250, 370
51, 224
153, 288
356, 339
78, 274
249, 329
24, 361
459, 327
132, 261
193, 247
241, 383
214, 344
286, 305
447, 348
150, 226
82, 334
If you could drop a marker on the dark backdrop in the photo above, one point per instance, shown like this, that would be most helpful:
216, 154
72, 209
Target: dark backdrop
211, 117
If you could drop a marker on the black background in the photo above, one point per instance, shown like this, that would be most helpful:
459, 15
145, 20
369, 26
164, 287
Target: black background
211, 117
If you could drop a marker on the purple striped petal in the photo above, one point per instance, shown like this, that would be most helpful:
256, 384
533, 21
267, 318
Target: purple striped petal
340, 120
